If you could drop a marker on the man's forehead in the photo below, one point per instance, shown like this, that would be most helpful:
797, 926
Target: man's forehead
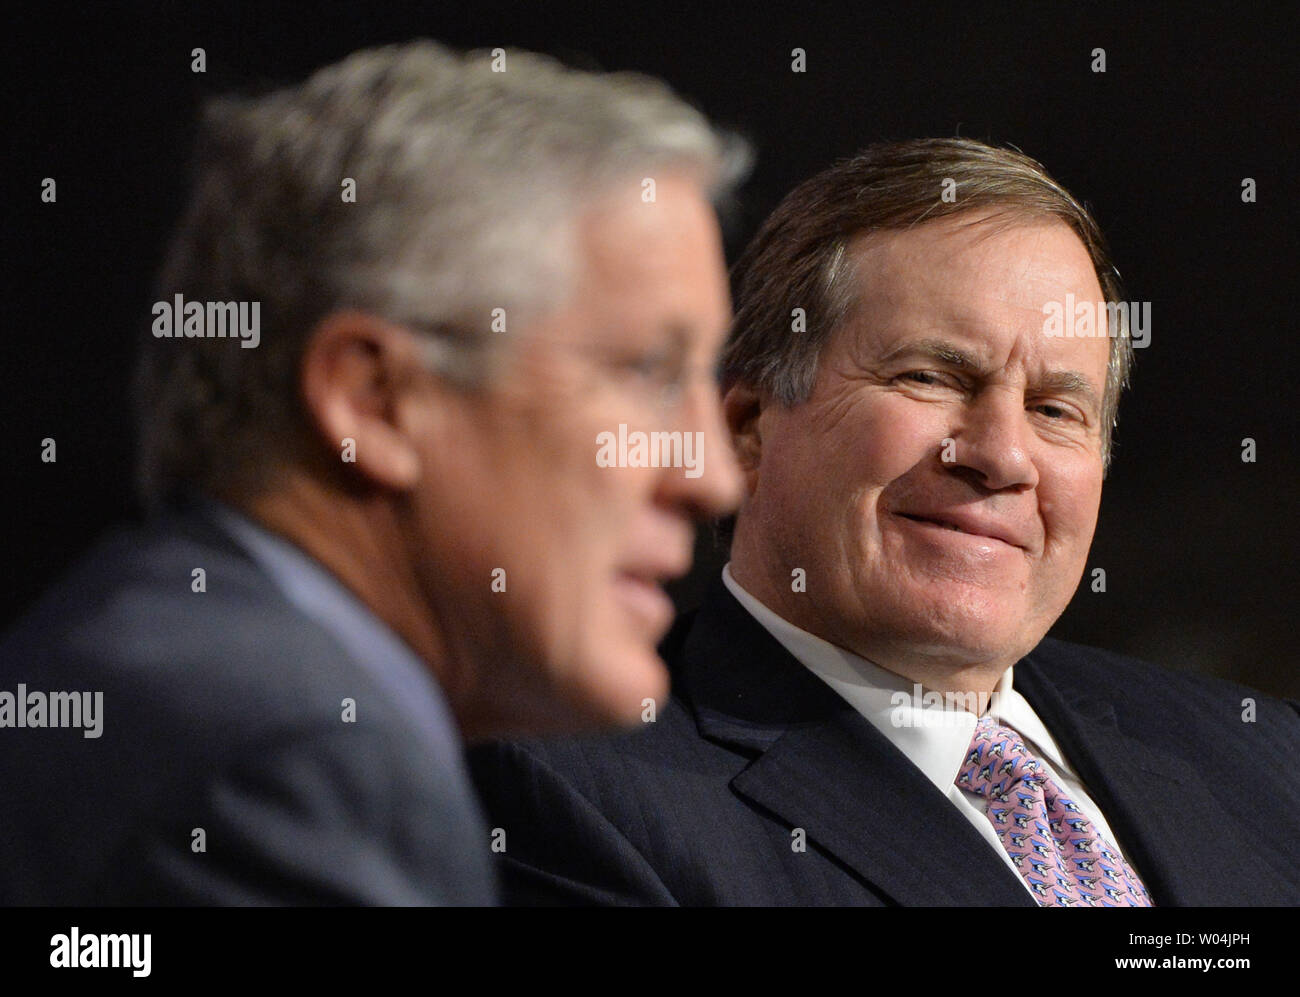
658, 265
987, 286
966, 267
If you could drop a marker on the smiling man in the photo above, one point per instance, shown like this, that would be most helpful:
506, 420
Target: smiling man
953, 528
866, 710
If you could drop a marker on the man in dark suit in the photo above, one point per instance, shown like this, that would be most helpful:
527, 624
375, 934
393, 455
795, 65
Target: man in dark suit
405, 301
866, 710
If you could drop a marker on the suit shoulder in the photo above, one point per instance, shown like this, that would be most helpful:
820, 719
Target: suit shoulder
1060, 657
613, 773
220, 701
183, 623
1143, 688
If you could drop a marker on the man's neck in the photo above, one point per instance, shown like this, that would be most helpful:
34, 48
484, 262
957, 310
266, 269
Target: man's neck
934, 669
356, 540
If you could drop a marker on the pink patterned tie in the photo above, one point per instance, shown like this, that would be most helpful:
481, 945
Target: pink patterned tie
1059, 854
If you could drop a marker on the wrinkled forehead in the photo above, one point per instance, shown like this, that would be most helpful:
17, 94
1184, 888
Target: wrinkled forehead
993, 281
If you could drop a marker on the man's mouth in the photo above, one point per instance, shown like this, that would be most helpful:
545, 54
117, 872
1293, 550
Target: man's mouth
968, 524
645, 597
937, 522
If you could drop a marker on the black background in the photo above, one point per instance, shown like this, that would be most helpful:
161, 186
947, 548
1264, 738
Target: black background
1198, 547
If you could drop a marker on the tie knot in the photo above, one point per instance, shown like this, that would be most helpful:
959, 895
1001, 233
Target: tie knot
997, 762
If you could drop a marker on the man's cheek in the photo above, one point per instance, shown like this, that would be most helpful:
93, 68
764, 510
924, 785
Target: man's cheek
1073, 524
890, 463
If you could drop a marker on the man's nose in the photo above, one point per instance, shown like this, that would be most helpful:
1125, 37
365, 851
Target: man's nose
992, 442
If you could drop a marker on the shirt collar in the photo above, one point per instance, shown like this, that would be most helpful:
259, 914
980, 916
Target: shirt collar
375, 647
936, 740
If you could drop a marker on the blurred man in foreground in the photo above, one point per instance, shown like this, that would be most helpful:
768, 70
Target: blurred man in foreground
405, 300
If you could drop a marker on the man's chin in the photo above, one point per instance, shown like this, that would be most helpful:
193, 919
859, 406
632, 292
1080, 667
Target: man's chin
989, 647
622, 688
621, 683
962, 635
643, 606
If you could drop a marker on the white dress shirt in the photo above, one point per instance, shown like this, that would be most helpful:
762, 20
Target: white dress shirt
934, 739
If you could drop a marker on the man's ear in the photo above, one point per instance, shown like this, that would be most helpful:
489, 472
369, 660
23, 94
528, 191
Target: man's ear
357, 371
742, 406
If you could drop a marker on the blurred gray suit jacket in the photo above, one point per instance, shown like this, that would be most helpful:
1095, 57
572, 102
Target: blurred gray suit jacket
222, 711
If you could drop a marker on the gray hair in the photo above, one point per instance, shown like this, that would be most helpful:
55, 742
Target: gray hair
800, 257
469, 169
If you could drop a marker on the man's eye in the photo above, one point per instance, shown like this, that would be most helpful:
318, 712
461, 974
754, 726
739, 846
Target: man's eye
660, 368
924, 377
1056, 413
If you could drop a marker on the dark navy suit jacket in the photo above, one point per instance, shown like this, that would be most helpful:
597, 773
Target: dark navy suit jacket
223, 712
701, 806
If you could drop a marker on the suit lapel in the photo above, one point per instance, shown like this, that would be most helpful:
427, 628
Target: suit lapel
861, 800
1159, 809
812, 761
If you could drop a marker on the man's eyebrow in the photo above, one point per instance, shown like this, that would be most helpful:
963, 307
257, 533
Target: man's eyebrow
935, 349
1069, 382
